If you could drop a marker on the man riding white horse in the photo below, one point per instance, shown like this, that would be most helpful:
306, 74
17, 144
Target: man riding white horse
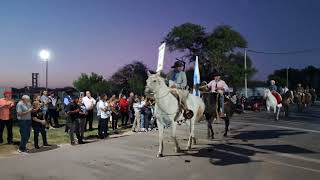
274, 90
273, 86
178, 82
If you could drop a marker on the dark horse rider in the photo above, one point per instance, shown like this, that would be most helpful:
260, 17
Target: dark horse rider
218, 86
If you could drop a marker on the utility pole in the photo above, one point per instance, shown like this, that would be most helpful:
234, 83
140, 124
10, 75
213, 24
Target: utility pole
245, 74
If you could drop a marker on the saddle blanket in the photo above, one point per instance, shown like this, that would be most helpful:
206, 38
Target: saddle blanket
277, 96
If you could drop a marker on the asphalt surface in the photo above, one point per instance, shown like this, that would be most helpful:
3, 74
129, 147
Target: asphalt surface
257, 148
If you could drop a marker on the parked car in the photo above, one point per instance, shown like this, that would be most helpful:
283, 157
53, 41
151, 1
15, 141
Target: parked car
255, 103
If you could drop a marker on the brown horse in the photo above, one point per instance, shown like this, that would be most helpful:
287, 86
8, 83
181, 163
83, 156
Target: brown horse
287, 99
211, 111
299, 99
308, 99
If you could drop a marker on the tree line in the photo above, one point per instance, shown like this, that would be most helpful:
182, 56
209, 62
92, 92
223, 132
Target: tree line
219, 49
309, 76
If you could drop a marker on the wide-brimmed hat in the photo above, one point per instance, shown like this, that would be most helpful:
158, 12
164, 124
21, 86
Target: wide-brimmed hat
177, 64
215, 73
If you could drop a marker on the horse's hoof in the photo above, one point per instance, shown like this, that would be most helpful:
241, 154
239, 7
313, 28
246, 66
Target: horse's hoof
159, 155
188, 148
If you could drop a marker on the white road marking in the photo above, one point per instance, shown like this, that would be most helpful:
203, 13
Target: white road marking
277, 126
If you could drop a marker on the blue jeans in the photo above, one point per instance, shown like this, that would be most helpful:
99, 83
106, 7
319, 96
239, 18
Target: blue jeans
222, 103
25, 128
142, 121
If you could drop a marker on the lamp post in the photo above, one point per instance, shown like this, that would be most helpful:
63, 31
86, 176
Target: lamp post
45, 55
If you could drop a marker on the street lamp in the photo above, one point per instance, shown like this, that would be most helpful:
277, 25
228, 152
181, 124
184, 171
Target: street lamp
45, 55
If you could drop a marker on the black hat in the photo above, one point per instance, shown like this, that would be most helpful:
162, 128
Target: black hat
178, 64
215, 73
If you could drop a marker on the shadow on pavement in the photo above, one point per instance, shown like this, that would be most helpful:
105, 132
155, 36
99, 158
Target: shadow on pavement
265, 134
42, 149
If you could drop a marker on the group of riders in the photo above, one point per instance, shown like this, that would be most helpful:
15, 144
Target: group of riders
177, 81
299, 95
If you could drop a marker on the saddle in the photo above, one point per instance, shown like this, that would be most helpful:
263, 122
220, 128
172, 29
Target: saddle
181, 96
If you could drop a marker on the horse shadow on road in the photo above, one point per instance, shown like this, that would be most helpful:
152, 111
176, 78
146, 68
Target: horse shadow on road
265, 134
224, 154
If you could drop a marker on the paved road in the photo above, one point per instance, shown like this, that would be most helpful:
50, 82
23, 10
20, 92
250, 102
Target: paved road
257, 148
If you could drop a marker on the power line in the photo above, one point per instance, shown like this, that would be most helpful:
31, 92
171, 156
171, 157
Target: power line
304, 51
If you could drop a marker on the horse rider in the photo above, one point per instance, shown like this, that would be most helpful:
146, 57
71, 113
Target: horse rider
177, 77
300, 89
273, 86
218, 85
178, 83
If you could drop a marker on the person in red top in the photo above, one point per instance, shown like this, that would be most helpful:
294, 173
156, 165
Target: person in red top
6, 105
124, 110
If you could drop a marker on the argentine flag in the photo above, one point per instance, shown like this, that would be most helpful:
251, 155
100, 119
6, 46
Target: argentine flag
196, 78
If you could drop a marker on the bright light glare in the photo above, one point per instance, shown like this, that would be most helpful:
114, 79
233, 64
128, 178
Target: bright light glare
44, 55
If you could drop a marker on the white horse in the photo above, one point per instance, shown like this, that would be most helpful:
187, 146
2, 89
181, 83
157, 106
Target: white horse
271, 102
167, 109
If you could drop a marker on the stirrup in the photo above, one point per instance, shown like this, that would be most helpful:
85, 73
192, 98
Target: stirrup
188, 114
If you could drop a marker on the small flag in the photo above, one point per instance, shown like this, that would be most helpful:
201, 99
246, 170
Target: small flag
196, 78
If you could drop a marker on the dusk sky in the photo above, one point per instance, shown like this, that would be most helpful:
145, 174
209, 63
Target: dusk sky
103, 35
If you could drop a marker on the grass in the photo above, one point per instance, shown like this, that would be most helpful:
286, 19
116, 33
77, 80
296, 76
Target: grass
55, 137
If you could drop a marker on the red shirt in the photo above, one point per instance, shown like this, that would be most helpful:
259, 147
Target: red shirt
124, 105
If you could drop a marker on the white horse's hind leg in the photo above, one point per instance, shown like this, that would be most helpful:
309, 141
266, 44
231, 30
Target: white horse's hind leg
160, 128
174, 138
278, 112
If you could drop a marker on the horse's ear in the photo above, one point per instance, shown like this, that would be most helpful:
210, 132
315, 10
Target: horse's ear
158, 73
148, 73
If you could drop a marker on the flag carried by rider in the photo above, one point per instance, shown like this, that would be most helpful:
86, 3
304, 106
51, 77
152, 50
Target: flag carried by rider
196, 78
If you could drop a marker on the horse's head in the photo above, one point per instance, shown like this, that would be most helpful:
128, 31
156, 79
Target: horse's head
154, 83
267, 93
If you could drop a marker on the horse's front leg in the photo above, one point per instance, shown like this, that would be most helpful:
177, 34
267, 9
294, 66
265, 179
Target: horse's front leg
160, 128
174, 138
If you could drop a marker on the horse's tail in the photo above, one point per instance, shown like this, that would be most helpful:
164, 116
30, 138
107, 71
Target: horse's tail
201, 110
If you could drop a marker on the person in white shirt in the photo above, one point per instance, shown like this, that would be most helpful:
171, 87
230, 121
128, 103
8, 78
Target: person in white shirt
219, 86
89, 102
137, 105
105, 113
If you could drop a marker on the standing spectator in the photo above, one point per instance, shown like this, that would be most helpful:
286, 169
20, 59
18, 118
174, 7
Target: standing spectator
137, 114
73, 112
66, 101
115, 109
147, 115
38, 125
53, 110
24, 109
142, 114
6, 105
45, 104
124, 110
131, 110
82, 119
105, 116
89, 102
